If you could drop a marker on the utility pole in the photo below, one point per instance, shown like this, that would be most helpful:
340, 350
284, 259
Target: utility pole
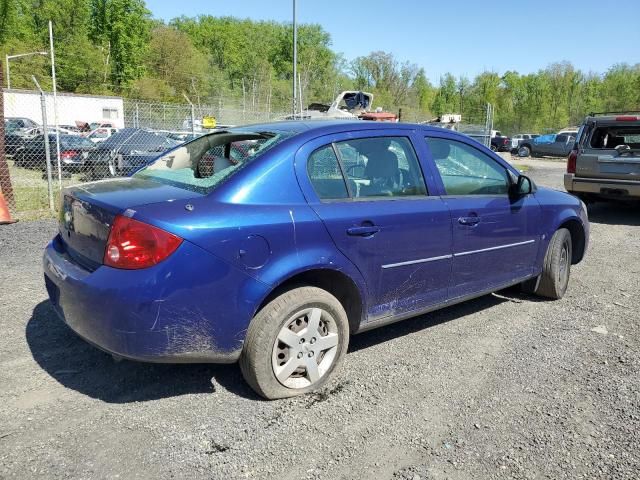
47, 152
55, 103
295, 60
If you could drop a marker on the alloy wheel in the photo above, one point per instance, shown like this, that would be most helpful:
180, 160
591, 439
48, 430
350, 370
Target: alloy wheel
305, 348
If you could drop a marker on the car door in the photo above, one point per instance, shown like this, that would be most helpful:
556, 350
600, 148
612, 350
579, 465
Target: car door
369, 191
542, 144
495, 237
558, 147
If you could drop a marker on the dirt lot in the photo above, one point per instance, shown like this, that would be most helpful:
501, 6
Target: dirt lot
506, 386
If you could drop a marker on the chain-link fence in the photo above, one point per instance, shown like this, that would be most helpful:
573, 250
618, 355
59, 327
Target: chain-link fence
51, 143
476, 122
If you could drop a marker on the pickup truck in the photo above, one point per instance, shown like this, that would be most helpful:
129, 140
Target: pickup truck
552, 144
605, 162
516, 140
500, 143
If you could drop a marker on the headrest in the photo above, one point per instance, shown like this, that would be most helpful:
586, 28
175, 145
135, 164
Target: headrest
382, 164
439, 148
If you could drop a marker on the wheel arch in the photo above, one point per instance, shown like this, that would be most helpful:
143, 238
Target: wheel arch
578, 238
348, 292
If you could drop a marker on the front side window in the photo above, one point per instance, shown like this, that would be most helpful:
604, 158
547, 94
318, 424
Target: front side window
467, 171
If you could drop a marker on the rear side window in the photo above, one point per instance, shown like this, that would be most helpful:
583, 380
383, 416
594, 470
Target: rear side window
381, 167
325, 174
613, 136
366, 168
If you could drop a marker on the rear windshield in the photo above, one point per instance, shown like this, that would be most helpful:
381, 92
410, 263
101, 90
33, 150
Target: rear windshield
76, 141
208, 161
615, 135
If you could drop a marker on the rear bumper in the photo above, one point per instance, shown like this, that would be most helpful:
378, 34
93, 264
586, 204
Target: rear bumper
602, 187
186, 309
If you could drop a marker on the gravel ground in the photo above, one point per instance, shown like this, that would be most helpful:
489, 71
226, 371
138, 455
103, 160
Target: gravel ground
505, 386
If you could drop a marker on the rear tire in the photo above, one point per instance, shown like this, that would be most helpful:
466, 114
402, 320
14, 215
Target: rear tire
524, 151
554, 279
295, 343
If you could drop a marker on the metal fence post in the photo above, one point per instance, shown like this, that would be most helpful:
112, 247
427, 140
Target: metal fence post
193, 115
6, 188
47, 153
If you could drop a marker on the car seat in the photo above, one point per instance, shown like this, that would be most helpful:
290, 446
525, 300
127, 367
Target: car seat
385, 178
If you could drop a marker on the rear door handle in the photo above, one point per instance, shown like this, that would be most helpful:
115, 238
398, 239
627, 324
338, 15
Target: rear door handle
470, 221
365, 231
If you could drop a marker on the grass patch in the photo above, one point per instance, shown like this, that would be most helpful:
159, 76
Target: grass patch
31, 193
522, 168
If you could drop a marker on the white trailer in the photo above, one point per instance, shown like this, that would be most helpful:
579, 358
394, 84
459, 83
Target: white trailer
72, 107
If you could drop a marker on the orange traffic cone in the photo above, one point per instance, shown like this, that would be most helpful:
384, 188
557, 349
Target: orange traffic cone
5, 216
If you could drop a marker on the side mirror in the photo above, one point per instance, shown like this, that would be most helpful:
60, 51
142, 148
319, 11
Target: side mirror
523, 186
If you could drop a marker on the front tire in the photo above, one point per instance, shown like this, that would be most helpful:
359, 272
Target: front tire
295, 343
554, 279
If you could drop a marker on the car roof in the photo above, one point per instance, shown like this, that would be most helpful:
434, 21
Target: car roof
613, 119
321, 127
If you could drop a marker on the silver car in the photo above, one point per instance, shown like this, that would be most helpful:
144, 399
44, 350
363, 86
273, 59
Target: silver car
605, 162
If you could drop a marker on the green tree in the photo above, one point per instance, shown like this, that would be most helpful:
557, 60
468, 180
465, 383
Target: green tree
121, 28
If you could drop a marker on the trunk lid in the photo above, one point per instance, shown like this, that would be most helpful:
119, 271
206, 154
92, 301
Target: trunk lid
88, 210
610, 149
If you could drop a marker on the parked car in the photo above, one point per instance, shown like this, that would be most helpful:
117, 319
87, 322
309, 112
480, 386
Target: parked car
100, 134
500, 143
556, 145
14, 138
19, 123
516, 140
278, 258
572, 132
126, 151
16, 131
605, 161
74, 151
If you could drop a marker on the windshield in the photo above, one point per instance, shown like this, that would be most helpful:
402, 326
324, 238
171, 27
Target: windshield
208, 161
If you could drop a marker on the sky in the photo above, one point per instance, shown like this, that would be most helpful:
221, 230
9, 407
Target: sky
463, 37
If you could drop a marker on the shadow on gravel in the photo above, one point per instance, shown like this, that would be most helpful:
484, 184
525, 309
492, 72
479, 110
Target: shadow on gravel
79, 366
412, 325
615, 213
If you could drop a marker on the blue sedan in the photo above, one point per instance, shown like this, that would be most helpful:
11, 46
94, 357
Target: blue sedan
315, 231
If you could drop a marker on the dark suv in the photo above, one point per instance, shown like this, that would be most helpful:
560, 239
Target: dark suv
605, 161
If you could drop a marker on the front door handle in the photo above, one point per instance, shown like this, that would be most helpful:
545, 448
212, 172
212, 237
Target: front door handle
469, 221
365, 231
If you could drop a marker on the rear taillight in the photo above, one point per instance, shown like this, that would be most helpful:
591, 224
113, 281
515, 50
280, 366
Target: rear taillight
68, 154
571, 161
626, 118
133, 244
